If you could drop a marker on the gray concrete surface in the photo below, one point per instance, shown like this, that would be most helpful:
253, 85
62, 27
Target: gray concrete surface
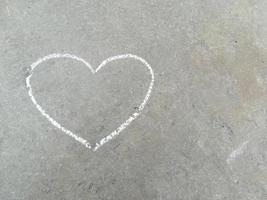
202, 135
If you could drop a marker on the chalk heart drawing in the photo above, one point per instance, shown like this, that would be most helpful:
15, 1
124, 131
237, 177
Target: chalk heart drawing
121, 127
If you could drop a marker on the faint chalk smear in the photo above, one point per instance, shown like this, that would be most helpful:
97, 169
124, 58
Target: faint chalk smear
237, 152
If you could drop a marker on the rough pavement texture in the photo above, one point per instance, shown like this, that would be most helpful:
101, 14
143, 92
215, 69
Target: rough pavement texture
202, 135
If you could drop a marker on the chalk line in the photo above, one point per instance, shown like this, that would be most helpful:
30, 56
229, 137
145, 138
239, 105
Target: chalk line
234, 154
114, 133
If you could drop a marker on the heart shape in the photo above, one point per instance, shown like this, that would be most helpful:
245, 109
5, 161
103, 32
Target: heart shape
118, 130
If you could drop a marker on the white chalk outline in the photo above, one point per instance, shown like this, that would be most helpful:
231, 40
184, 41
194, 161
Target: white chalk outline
117, 131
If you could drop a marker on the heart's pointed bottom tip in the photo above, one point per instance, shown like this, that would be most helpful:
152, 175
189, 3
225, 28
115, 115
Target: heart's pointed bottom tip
95, 148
